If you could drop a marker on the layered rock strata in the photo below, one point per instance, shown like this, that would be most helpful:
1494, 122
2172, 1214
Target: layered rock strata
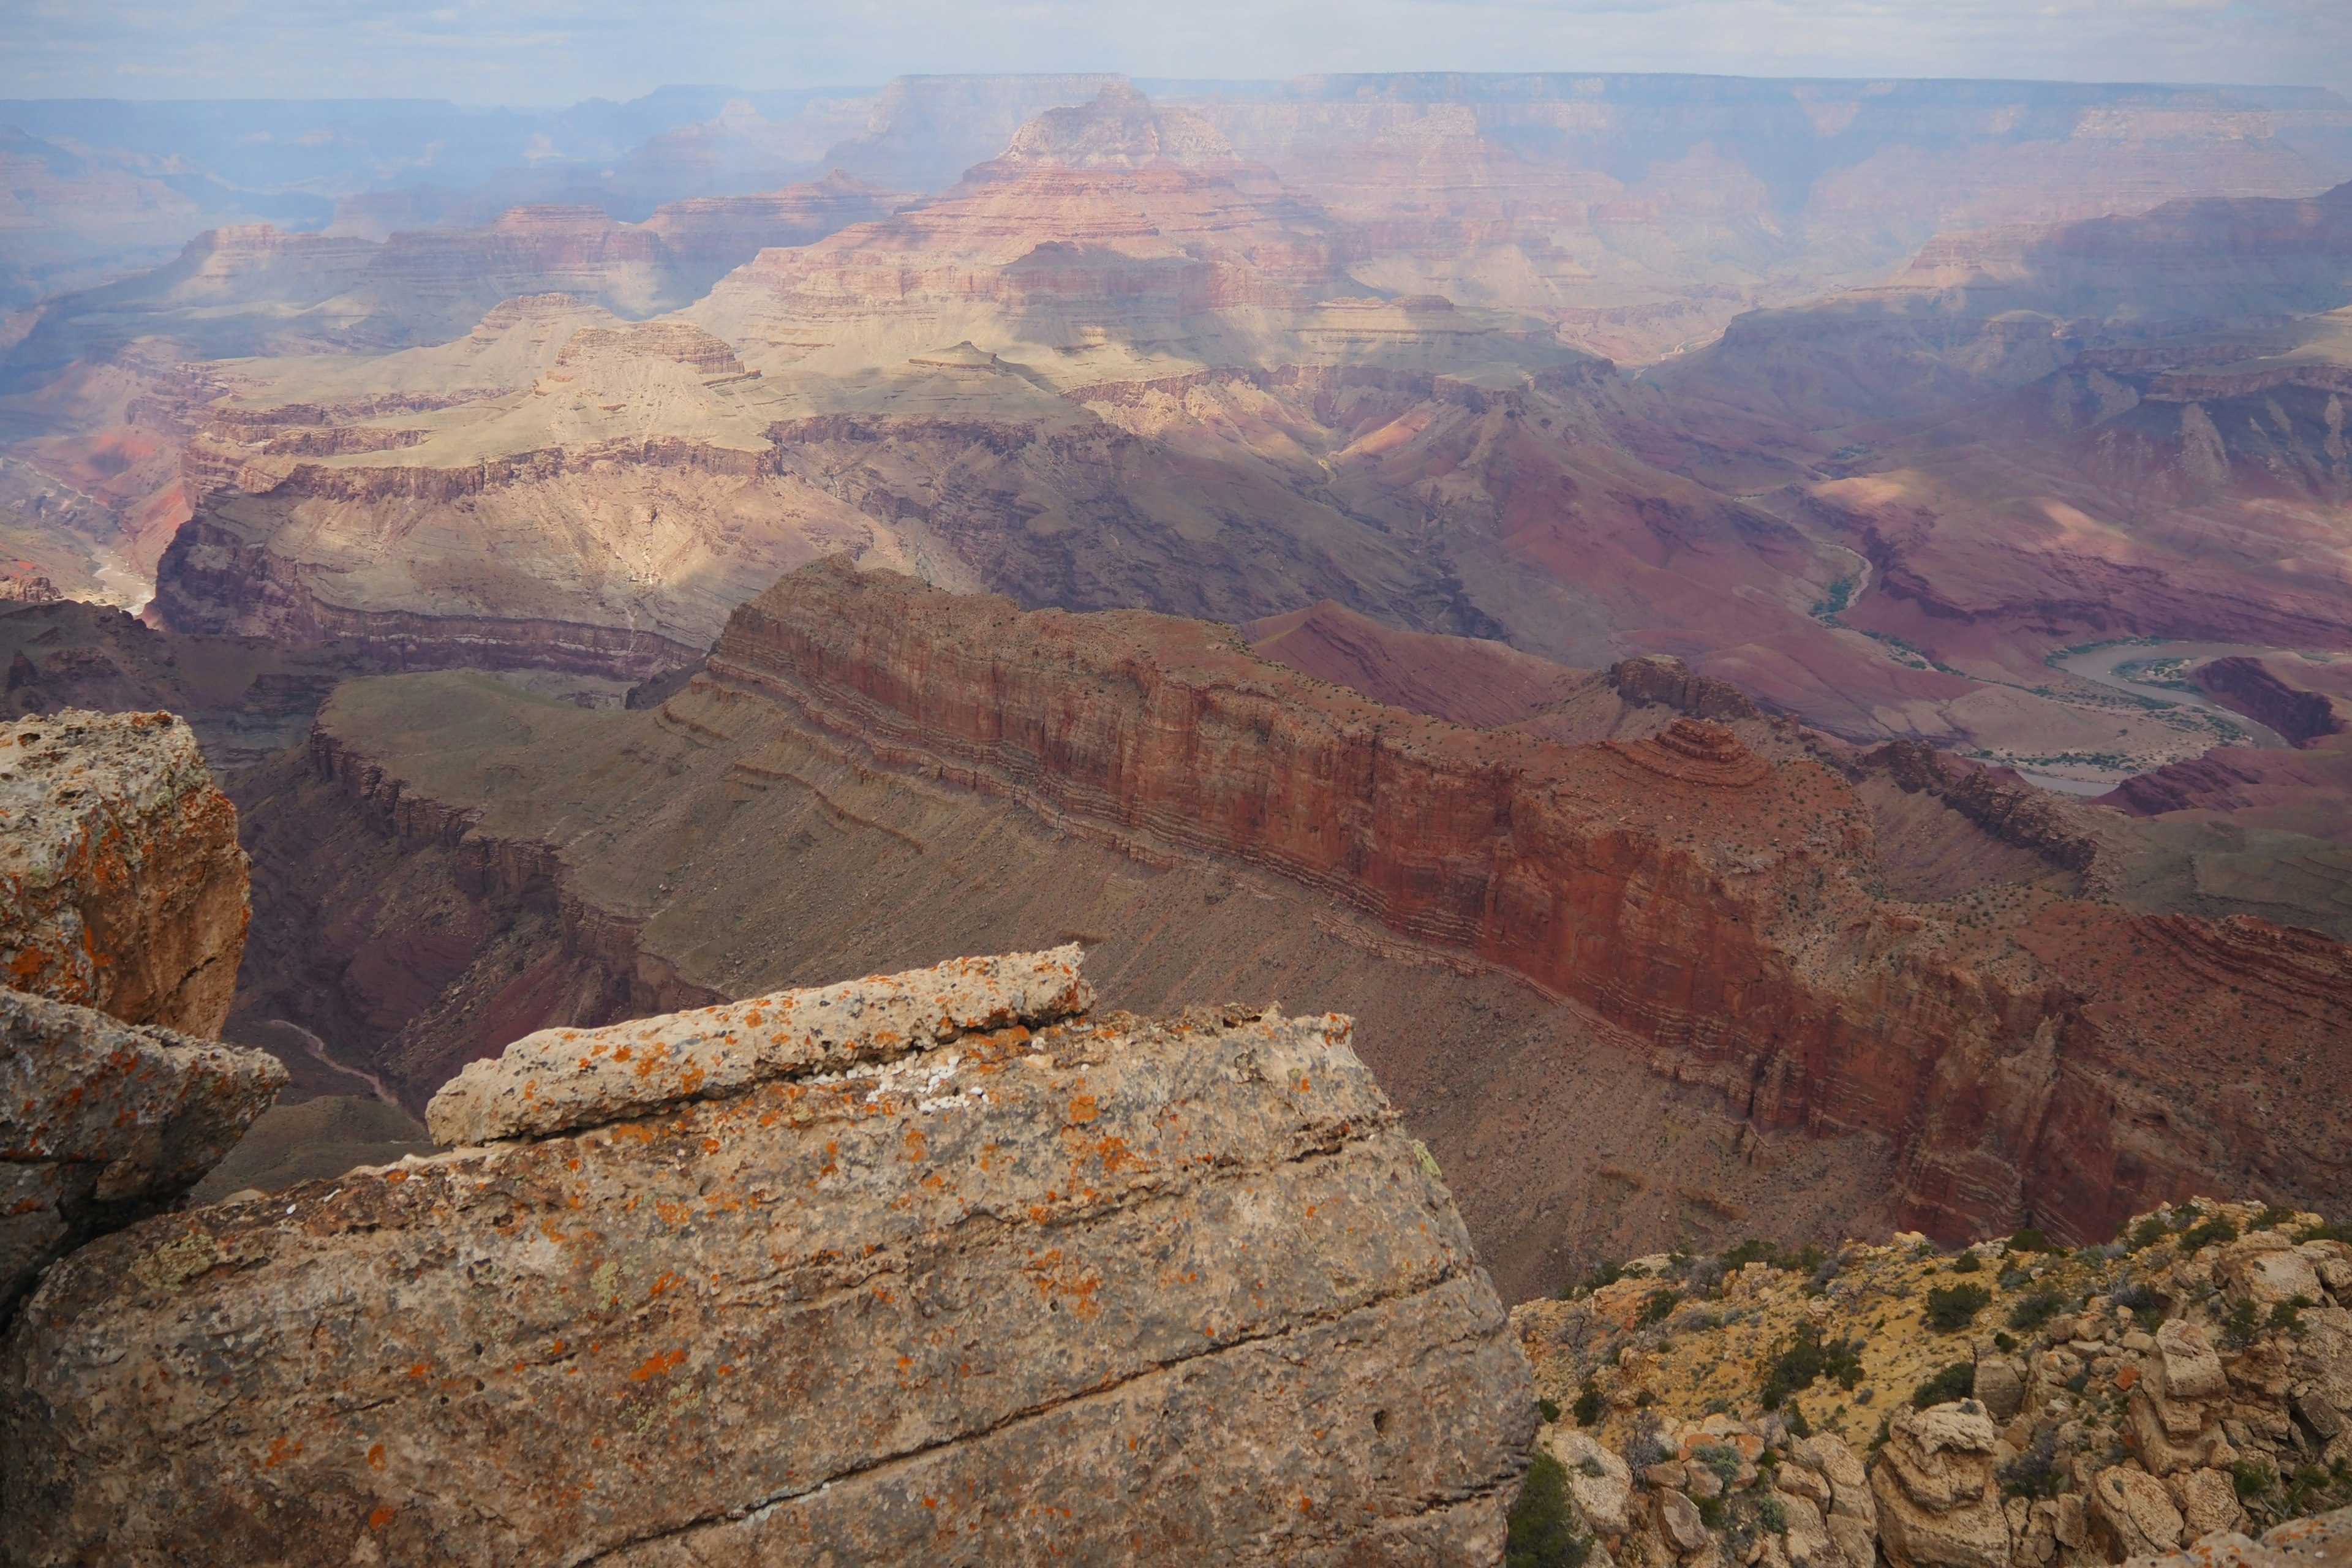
1719, 907
1175, 1291
124, 888
103, 1122
2125, 1402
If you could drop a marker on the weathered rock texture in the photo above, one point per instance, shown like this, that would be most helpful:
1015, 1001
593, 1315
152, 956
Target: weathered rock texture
2108, 1404
1172, 1291
122, 885
557, 1079
103, 1122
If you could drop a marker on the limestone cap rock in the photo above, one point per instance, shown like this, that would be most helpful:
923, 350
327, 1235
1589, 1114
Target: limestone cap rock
1175, 1291
559, 1079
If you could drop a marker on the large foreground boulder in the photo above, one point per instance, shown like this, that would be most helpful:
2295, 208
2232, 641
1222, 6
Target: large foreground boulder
122, 885
102, 1123
1175, 1291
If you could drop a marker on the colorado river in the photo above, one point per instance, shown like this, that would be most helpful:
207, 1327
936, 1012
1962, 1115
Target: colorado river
2099, 664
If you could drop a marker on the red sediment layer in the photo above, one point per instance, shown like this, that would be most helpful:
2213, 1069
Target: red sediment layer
1713, 904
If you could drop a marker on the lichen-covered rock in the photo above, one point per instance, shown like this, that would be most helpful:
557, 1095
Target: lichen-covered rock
2322, 1540
1938, 1504
562, 1079
1160, 1292
103, 1122
122, 885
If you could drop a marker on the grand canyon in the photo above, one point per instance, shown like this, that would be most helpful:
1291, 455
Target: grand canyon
1062, 816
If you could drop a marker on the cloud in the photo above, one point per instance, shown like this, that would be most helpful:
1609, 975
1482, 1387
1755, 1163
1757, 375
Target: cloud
548, 52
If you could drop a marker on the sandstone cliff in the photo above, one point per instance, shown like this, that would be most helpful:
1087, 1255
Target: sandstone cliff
940, 1278
1970, 1036
125, 888
2012, 1407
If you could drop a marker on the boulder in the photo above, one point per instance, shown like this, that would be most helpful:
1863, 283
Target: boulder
122, 885
1165, 1291
2000, 1383
1809, 1545
1938, 1503
2206, 1499
2191, 1368
2266, 1268
1600, 1482
2131, 1514
103, 1122
1679, 1524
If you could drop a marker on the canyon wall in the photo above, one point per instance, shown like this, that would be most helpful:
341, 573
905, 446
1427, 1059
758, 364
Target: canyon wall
1712, 904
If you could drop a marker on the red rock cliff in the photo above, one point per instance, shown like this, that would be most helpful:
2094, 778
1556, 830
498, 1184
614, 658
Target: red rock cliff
2042, 1058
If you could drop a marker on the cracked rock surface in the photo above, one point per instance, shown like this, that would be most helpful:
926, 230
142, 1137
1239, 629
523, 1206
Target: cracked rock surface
103, 1122
1164, 1291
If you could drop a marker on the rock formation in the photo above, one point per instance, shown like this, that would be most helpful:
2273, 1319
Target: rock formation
125, 888
125, 891
2117, 1402
102, 1123
913, 1280
1469, 839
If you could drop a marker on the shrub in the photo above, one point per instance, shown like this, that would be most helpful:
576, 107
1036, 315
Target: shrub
1602, 1273
2271, 1218
1548, 1409
1773, 1513
2028, 1240
2147, 1233
1806, 1356
2327, 1230
2211, 1233
2241, 1327
2253, 1480
2003, 1343
1720, 1458
2142, 1303
2288, 1315
1658, 1307
1543, 1531
1798, 1425
1588, 1406
2036, 1472
1951, 1308
1968, 1263
2035, 1310
1956, 1381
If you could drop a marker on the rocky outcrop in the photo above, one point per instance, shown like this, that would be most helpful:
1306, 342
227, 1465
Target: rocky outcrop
1717, 905
2170, 1374
1175, 1291
102, 1123
2323, 1541
2304, 718
1939, 1505
1995, 799
125, 889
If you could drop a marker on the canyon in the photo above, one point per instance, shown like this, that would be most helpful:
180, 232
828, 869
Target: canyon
1972, 1039
1519, 673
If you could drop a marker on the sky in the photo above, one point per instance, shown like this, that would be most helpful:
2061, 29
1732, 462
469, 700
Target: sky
546, 53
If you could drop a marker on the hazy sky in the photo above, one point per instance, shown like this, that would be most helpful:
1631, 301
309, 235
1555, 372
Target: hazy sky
550, 52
